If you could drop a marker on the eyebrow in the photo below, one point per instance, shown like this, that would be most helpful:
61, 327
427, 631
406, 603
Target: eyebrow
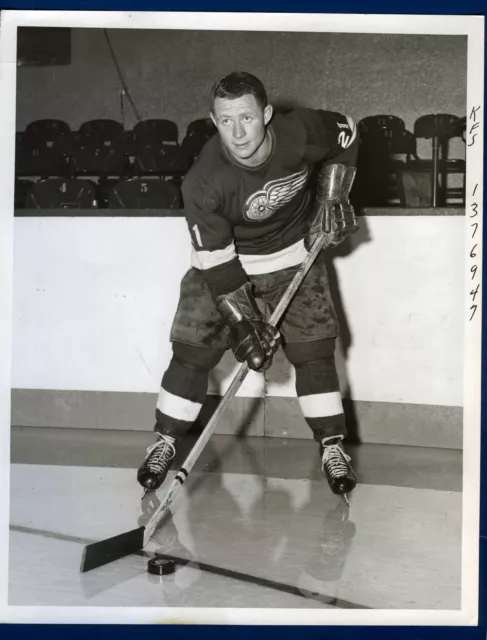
227, 115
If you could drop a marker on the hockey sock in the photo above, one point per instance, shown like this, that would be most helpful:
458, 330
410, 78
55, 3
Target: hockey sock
184, 387
182, 394
319, 396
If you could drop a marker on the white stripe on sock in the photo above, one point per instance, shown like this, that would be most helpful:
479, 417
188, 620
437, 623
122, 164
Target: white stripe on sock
321, 405
176, 407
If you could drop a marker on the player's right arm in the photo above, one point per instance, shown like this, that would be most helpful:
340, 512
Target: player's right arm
252, 340
212, 237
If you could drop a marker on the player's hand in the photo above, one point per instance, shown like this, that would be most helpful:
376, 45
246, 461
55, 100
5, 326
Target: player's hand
336, 219
335, 216
343, 221
255, 342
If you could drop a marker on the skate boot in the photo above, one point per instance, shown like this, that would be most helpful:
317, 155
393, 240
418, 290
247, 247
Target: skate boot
153, 471
336, 465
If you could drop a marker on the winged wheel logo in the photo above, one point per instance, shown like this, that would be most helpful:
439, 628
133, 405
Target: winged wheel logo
275, 194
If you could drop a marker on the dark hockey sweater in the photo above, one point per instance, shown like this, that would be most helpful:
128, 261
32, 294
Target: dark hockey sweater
246, 221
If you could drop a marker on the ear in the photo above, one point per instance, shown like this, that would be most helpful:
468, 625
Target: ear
268, 111
212, 117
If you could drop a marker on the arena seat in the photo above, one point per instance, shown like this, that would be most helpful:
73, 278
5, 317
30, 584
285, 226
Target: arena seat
441, 128
370, 124
166, 160
385, 148
102, 130
35, 159
155, 150
91, 157
197, 135
47, 131
156, 131
139, 193
57, 193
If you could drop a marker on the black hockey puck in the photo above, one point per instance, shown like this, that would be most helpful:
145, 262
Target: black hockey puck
160, 566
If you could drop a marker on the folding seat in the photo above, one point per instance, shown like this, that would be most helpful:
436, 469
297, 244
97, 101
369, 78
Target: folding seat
34, 158
57, 193
441, 128
385, 148
47, 131
104, 131
139, 193
158, 131
197, 135
90, 157
150, 160
156, 150
370, 124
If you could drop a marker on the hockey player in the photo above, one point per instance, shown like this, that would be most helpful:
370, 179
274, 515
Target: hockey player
253, 200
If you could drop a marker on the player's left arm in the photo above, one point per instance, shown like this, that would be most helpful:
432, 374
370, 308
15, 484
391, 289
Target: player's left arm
333, 139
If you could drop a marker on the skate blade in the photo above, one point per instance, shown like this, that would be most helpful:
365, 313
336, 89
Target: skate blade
345, 497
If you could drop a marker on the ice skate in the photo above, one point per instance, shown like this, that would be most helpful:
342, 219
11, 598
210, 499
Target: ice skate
336, 465
153, 471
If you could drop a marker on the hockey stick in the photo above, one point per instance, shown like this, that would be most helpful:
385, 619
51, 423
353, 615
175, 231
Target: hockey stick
101, 553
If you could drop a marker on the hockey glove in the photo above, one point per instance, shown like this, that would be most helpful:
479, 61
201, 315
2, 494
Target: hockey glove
335, 216
251, 338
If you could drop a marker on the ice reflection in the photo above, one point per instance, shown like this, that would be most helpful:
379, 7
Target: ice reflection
293, 536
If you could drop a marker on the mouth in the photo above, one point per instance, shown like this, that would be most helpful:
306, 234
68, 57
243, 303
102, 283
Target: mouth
242, 145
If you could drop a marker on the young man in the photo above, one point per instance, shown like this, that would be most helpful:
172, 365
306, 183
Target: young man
250, 204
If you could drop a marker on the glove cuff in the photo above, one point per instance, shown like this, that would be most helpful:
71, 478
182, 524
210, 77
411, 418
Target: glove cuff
238, 305
335, 182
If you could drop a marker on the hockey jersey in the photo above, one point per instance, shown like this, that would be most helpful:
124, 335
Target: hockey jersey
246, 221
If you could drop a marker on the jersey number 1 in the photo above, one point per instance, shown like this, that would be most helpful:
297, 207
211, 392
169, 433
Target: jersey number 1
198, 235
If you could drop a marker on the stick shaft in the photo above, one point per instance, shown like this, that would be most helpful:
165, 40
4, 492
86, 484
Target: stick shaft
195, 452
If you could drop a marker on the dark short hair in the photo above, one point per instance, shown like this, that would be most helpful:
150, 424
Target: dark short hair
238, 84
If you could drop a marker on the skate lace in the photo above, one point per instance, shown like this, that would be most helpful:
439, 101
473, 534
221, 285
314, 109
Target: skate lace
334, 458
160, 453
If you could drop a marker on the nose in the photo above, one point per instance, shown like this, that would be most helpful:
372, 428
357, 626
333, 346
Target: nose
238, 131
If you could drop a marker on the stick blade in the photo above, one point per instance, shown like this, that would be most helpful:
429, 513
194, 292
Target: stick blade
99, 553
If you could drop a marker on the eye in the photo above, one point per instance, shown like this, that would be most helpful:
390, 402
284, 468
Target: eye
247, 118
225, 121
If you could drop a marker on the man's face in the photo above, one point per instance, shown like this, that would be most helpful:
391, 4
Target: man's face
241, 123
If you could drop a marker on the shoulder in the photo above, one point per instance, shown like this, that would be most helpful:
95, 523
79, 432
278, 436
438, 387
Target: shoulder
206, 179
203, 169
209, 167
290, 122
323, 132
308, 118
302, 124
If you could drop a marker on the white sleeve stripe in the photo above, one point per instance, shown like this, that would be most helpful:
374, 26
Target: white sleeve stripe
208, 259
